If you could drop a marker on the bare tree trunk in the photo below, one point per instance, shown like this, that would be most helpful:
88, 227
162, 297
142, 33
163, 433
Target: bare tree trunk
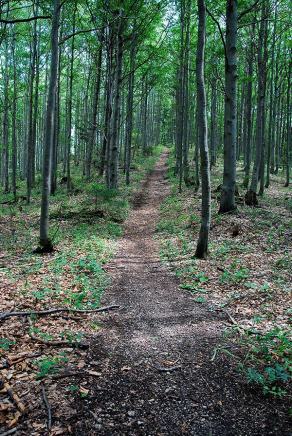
251, 195
202, 245
5, 128
14, 125
270, 146
54, 165
69, 105
247, 131
227, 201
185, 121
93, 125
45, 242
129, 116
213, 127
144, 116
30, 138
288, 112
113, 146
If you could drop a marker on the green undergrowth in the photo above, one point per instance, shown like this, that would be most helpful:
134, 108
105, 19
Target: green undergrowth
84, 227
264, 356
265, 359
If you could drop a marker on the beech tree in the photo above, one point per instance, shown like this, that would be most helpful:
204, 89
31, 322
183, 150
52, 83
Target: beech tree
202, 246
45, 241
125, 80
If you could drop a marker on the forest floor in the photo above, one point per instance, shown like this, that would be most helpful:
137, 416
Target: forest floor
167, 361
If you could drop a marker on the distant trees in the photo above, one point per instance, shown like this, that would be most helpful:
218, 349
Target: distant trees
125, 79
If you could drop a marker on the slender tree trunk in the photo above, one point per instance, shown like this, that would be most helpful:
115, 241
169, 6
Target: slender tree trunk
185, 126
129, 116
54, 165
113, 146
45, 242
144, 116
251, 195
14, 124
288, 114
270, 145
69, 105
227, 201
5, 127
213, 127
202, 245
30, 138
93, 125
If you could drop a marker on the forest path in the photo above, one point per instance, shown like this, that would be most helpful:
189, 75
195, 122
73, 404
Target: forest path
160, 326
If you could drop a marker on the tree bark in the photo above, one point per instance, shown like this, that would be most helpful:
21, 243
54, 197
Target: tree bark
251, 195
202, 245
227, 201
45, 242
129, 116
93, 124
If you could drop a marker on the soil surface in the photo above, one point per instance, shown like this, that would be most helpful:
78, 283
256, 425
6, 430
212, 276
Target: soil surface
154, 354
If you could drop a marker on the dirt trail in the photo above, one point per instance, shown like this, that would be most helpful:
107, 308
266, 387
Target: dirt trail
160, 326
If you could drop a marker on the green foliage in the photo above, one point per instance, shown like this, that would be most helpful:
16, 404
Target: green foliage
235, 274
5, 344
268, 362
50, 365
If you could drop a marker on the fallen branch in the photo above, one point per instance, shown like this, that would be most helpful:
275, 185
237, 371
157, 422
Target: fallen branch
240, 327
47, 404
6, 433
60, 343
5, 315
73, 374
14, 360
14, 397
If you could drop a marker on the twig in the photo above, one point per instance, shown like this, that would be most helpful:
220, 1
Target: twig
14, 397
240, 327
60, 343
72, 374
10, 361
47, 404
5, 315
6, 433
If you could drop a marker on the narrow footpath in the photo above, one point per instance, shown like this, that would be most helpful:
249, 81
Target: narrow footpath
154, 354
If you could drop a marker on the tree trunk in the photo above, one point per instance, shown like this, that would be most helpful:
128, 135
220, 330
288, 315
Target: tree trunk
14, 126
247, 131
129, 116
112, 145
213, 127
93, 125
227, 201
45, 242
30, 135
251, 195
288, 145
5, 128
202, 245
